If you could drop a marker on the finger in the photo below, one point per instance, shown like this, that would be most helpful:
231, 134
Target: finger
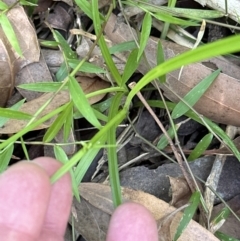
132, 221
24, 195
60, 201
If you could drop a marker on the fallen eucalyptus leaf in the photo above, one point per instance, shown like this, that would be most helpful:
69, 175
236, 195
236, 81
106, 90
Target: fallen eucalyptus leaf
221, 102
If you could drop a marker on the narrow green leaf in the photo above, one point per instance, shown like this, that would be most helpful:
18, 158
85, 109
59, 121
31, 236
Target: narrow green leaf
163, 142
82, 103
62, 72
188, 214
194, 95
166, 24
130, 66
68, 124
3, 5
173, 20
86, 67
86, 161
145, 33
112, 153
42, 86
220, 218
5, 157
125, 46
221, 47
225, 237
67, 51
14, 107
32, 3
85, 6
103, 46
58, 123
10, 34
201, 147
62, 157
14, 114
160, 60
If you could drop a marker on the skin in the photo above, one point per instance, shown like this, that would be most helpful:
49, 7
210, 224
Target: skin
34, 210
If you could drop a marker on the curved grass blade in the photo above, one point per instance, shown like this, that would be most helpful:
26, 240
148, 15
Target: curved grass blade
194, 95
145, 33
200, 147
188, 214
221, 47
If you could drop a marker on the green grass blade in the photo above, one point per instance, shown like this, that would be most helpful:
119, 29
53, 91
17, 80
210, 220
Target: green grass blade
202, 146
66, 49
68, 125
86, 67
160, 60
14, 114
130, 66
112, 153
62, 157
14, 107
219, 219
5, 157
221, 47
225, 237
145, 33
194, 95
163, 142
81, 102
85, 6
173, 20
86, 161
125, 46
166, 24
188, 214
58, 123
43, 86
103, 46
10, 34
3, 5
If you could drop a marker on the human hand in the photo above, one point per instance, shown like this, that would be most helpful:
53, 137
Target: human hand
33, 209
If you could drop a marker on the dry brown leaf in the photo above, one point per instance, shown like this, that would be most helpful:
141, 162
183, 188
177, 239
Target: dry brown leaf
92, 215
26, 36
7, 74
221, 103
181, 192
32, 73
31, 107
90, 85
